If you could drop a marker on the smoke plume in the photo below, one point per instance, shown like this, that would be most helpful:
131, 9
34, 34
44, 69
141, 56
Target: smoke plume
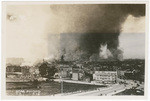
91, 31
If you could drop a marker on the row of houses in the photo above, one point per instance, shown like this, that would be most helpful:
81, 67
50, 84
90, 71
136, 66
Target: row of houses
97, 76
81, 75
19, 74
68, 72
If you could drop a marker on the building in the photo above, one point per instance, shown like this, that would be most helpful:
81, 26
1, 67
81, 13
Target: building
105, 77
121, 74
13, 71
65, 72
25, 70
14, 75
77, 74
18, 74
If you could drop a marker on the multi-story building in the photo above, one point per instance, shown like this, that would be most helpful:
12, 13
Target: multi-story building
105, 76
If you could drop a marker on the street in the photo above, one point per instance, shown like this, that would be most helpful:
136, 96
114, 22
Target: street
109, 91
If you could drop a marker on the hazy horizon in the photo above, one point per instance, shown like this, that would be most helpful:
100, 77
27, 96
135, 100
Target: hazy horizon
29, 30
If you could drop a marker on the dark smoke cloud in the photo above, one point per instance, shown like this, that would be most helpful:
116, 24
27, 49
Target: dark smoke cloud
85, 27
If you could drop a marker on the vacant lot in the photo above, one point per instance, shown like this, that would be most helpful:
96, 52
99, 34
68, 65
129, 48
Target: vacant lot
46, 88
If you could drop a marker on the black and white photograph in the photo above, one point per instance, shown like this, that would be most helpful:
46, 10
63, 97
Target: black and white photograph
74, 49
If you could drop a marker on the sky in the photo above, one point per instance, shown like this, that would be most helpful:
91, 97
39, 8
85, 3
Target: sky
30, 30
132, 37
26, 32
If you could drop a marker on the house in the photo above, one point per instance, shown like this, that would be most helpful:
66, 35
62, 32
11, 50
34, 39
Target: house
105, 77
77, 74
18, 73
12, 75
121, 74
25, 70
65, 72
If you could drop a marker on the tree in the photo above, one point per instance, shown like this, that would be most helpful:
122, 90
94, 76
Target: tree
51, 71
47, 70
42, 69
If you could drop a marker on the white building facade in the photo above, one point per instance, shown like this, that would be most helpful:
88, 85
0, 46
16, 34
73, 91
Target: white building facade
105, 77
